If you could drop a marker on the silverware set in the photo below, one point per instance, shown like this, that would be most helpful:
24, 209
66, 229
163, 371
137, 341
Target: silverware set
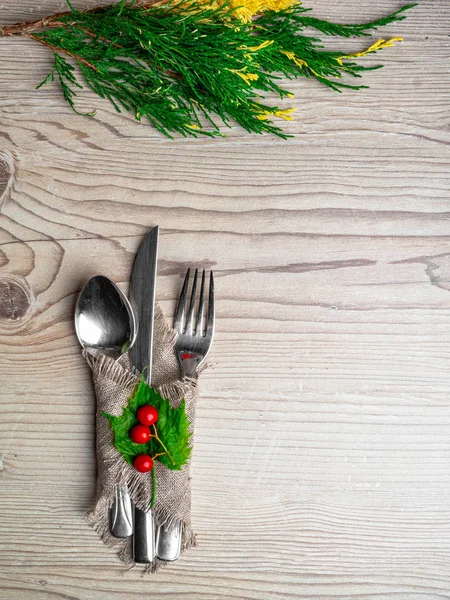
107, 323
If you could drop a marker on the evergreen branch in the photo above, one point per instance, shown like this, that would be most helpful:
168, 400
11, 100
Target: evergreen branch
65, 72
185, 65
358, 30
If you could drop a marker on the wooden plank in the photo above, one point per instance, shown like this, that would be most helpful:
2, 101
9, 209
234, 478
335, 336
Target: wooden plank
321, 462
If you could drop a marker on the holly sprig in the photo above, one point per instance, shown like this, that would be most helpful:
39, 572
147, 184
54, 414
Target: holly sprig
167, 441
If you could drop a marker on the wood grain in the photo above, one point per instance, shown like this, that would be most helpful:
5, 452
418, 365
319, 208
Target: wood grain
321, 465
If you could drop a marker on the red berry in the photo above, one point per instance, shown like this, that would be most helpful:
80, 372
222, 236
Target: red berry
140, 434
147, 415
143, 463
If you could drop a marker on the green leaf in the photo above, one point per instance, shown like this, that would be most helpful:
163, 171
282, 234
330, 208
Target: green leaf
172, 429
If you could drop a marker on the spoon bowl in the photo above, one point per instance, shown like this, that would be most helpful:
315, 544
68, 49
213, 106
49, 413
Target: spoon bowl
104, 319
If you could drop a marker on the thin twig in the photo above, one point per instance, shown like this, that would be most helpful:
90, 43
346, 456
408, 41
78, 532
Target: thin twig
93, 35
58, 49
153, 500
162, 444
32, 26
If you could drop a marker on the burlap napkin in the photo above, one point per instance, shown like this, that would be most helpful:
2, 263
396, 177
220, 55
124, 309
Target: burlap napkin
114, 383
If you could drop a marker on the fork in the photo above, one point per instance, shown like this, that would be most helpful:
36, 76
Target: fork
192, 347
194, 342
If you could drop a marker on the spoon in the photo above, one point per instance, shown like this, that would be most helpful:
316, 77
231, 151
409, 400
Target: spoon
105, 324
104, 319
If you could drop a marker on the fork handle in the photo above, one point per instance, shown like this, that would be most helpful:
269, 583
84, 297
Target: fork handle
168, 544
189, 362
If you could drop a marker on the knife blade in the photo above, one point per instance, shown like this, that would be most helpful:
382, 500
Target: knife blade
142, 297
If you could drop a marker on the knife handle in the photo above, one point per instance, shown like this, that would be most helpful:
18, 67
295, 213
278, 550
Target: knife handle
144, 536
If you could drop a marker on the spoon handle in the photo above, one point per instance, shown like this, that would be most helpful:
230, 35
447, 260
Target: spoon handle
121, 513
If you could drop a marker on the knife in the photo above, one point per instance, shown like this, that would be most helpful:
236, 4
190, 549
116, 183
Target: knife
142, 297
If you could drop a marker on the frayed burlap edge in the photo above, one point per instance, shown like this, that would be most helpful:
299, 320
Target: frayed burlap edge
114, 383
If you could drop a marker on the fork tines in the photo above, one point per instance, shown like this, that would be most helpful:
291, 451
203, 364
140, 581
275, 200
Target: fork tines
195, 326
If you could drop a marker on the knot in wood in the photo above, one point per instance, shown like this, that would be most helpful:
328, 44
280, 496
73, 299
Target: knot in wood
6, 172
15, 299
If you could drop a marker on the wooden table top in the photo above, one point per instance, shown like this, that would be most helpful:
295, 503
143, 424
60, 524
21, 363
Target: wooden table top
321, 463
